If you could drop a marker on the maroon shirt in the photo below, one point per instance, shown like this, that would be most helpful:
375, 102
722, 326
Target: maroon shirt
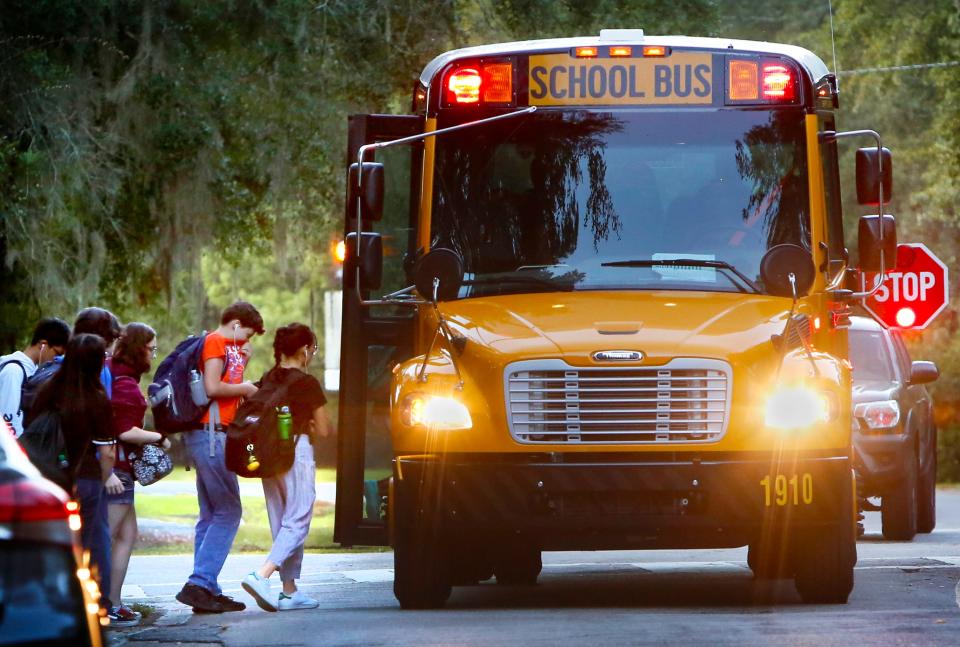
128, 405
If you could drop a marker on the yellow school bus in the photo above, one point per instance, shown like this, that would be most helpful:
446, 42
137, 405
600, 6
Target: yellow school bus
594, 299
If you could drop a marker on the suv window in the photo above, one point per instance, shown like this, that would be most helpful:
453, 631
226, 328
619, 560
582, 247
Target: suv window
870, 356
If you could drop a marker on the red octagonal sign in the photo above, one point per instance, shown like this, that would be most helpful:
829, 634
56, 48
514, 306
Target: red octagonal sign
914, 292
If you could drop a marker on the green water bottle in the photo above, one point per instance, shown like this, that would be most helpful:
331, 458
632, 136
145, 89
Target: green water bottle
284, 423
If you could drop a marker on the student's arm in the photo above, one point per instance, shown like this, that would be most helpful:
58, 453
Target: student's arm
11, 381
108, 456
138, 436
216, 388
321, 423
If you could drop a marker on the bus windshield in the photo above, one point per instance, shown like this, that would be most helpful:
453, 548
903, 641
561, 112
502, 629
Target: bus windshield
590, 200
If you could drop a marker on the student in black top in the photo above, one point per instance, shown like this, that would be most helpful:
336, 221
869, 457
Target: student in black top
290, 496
86, 418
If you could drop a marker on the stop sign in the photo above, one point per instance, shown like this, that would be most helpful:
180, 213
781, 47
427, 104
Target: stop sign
914, 292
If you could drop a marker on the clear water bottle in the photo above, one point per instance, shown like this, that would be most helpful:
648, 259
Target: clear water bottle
284, 423
197, 392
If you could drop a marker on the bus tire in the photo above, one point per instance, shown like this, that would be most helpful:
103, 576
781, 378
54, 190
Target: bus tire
518, 566
898, 509
824, 565
767, 562
927, 495
420, 563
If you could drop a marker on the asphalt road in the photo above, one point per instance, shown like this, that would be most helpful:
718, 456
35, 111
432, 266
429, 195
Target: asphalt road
906, 593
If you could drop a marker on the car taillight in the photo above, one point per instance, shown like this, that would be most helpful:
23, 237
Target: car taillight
25, 500
483, 83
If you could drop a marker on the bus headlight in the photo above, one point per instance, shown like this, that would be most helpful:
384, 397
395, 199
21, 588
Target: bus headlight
434, 412
797, 407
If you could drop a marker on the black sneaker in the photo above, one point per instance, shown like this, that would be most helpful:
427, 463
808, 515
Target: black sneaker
228, 603
200, 599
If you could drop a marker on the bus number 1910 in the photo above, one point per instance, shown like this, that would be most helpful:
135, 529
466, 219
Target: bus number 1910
780, 490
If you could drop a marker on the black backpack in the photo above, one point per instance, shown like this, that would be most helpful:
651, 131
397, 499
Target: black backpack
169, 394
253, 434
32, 384
43, 442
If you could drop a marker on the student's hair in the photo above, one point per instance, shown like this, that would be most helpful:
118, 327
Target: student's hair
56, 332
246, 314
97, 321
130, 345
76, 386
289, 339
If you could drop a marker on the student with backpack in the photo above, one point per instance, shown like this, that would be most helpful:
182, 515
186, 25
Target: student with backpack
49, 339
132, 357
290, 495
222, 365
76, 399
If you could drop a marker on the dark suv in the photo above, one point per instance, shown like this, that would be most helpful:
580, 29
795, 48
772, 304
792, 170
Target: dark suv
894, 438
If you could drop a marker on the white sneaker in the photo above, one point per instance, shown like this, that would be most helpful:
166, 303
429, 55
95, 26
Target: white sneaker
259, 589
299, 600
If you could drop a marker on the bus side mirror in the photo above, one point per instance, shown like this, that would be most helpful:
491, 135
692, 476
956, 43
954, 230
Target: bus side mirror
870, 245
923, 372
869, 176
370, 261
779, 263
439, 275
370, 191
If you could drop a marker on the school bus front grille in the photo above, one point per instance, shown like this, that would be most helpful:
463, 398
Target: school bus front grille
686, 400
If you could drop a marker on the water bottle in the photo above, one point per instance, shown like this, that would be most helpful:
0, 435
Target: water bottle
62, 461
284, 423
197, 392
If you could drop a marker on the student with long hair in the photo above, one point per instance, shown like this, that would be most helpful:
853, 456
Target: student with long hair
135, 350
76, 393
290, 496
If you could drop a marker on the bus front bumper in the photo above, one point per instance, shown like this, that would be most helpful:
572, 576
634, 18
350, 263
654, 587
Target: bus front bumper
573, 502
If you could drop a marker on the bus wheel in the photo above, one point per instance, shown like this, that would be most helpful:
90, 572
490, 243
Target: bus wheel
420, 564
518, 566
824, 565
898, 509
768, 561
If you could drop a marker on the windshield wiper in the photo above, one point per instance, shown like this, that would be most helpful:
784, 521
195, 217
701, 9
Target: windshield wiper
553, 284
687, 262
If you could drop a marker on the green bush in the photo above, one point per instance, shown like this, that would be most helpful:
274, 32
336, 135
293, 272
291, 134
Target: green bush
948, 446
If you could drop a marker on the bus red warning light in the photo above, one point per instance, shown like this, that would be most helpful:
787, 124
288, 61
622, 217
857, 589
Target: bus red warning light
463, 86
778, 82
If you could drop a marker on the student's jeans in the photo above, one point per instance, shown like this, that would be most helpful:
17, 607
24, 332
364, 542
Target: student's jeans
219, 495
95, 530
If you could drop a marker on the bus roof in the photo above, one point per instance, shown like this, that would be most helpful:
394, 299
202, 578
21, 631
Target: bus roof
815, 67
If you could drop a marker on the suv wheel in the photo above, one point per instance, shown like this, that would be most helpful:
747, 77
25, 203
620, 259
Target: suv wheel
927, 493
898, 509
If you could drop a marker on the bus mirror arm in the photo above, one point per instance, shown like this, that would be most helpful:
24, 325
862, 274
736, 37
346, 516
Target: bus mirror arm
358, 179
882, 179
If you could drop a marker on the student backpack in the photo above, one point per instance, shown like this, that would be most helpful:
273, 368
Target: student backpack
254, 448
169, 394
43, 442
31, 385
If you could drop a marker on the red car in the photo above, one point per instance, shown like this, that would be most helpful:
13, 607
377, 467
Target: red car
47, 596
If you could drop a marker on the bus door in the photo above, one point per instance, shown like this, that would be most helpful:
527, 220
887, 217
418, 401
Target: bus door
375, 338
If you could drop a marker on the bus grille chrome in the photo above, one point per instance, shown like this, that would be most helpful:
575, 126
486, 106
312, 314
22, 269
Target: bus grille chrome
684, 401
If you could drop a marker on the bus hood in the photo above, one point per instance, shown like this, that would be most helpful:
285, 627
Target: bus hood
574, 325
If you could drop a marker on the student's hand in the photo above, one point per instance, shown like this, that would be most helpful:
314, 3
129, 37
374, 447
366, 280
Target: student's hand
165, 443
113, 485
249, 389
